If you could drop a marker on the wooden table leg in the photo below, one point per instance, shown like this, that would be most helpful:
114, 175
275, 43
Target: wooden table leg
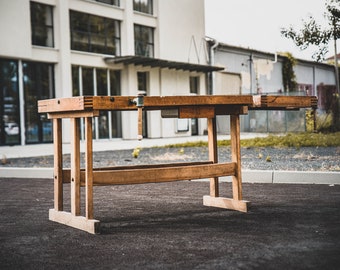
88, 169
75, 167
74, 219
213, 155
236, 203
58, 164
236, 155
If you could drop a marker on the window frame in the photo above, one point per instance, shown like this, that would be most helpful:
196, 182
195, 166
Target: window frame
36, 25
113, 2
194, 84
87, 32
86, 81
147, 9
142, 46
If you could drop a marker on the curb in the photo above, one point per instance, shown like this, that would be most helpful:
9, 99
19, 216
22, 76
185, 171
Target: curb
248, 176
38, 173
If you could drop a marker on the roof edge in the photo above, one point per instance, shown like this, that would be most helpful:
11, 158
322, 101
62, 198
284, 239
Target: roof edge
160, 63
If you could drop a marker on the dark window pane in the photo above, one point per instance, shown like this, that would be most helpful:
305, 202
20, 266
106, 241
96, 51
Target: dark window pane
194, 85
38, 84
9, 103
116, 116
75, 81
96, 34
144, 6
42, 24
101, 82
144, 41
142, 81
87, 79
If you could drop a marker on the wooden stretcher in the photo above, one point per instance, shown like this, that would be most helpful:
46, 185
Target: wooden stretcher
209, 107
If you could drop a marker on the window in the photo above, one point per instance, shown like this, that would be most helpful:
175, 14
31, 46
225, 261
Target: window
38, 84
99, 82
144, 43
90, 33
142, 81
42, 25
109, 2
9, 103
144, 6
194, 85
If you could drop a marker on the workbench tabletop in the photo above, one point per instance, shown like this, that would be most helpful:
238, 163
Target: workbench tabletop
121, 103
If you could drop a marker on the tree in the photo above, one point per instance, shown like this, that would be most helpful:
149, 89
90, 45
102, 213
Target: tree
313, 34
288, 74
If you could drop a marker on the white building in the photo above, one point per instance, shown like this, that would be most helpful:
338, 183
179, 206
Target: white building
64, 48
249, 71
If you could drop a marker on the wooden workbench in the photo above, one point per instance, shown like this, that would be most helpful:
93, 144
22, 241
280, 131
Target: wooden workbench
208, 107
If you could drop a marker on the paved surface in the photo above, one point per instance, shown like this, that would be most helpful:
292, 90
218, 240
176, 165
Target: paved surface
165, 226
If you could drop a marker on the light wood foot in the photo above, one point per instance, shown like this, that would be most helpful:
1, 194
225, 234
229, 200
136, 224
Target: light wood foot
78, 222
238, 205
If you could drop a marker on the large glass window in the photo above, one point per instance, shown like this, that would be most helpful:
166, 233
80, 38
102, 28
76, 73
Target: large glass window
9, 103
144, 41
144, 6
95, 34
109, 2
38, 84
42, 24
100, 82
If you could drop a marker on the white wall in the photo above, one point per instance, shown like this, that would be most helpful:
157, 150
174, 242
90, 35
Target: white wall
314, 75
179, 21
15, 29
267, 76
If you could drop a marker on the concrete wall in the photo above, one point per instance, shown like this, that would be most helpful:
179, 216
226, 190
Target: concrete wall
260, 73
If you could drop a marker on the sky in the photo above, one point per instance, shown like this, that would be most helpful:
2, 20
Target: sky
256, 24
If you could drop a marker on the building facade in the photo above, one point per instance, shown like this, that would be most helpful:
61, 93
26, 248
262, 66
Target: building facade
58, 48
249, 71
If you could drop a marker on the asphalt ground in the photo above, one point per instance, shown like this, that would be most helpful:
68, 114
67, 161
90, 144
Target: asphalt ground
165, 226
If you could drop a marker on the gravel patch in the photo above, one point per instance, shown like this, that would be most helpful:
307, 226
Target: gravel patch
269, 158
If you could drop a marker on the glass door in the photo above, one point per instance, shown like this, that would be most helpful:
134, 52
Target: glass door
38, 84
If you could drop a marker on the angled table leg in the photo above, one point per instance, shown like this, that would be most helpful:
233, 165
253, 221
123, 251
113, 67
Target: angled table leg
58, 164
236, 155
213, 155
74, 219
88, 169
236, 203
75, 166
